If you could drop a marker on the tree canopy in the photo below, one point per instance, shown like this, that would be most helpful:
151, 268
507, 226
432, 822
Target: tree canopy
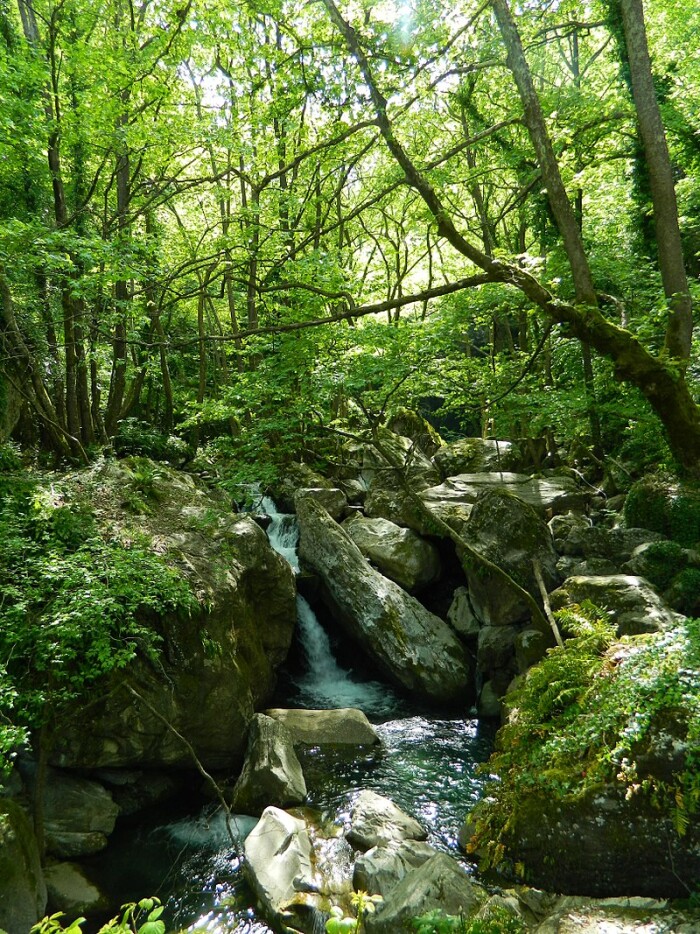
247, 222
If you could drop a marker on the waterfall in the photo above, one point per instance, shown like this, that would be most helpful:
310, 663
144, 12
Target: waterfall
323, 683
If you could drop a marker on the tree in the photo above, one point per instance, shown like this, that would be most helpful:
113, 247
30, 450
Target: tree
661, 377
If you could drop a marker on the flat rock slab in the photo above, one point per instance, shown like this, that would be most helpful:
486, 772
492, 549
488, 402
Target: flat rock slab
546, 495
71, 891
345, 726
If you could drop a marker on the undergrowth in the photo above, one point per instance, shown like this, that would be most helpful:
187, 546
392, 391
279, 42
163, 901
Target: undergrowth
587, 716
74, 604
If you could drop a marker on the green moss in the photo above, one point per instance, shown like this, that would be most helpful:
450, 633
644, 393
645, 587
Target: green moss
684, 593
587, 716
662, 561
665, 506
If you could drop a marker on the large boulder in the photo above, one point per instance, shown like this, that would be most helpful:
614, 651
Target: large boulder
510, 533
410, 424
22, 886
271, 774
547, 496
666, 506
601, 839
377, 821
79, 814
439, 884
300, 478
591, 541
297, 869
216, 666
417, 469
344, 726
633, 605
474, 455
380, 869
398, 553
416, 649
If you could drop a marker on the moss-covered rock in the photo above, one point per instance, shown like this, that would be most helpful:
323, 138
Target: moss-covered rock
22, 886
666, 506
410, 424
215, 666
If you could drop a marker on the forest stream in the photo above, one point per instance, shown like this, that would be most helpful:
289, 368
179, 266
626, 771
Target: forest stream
426, 764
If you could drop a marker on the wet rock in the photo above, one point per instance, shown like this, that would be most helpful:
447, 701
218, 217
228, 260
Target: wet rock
338, 727
216, 666
546, 496
530, 647
22, 886
279, 866
416, 649
271, 774
380, 869
511, 535
79, 814
400, 554
633, 605
71, 891
377, 821
439, 883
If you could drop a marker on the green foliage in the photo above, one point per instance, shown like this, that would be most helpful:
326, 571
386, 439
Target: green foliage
497, 921
364, 904
664, 505
10, 459
74, 605
584, 717
135, 437
142, 917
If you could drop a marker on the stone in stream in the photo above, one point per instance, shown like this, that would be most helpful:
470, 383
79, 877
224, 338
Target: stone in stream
298, 869
380, 869
271, 774
71, 891
414, 648
377, 821
344, 726
439, 884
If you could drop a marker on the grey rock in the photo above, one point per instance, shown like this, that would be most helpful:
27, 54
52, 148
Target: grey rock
279, 866
380, 869
377, 821
475, 455
409, 424
22, 886
413, 647
71, 891
496, 648
616, 545
546, 495
438, 884
272, 774
490, 703
510, 534
400, 554
633, 605
416, 468
344, 726
461, 616
530, 647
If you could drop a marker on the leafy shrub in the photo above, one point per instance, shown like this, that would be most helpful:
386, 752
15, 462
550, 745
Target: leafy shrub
497, 921
665, 506
684, 593
73, 605
9, 457
139, 438
586, 713
141, 917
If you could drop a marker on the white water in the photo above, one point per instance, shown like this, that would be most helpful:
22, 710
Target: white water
323, 683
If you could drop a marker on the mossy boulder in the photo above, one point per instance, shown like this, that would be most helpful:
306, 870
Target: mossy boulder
22, 886
216, 665
410, 424
667, 506
475, 455
509, 533
400, 554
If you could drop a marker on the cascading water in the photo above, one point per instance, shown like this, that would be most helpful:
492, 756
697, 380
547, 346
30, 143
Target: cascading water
427, 766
